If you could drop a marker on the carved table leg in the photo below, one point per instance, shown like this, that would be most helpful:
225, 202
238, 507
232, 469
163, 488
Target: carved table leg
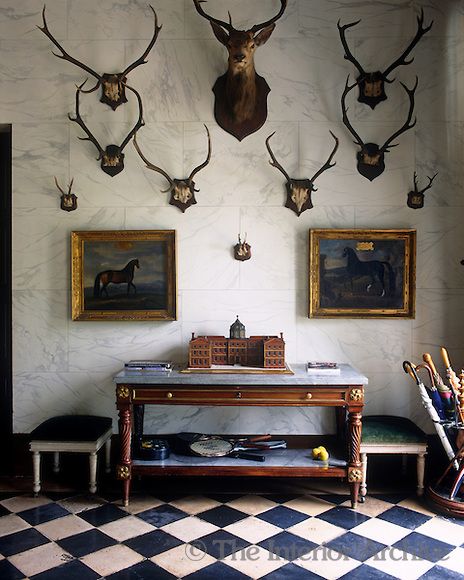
124, 467
355, 471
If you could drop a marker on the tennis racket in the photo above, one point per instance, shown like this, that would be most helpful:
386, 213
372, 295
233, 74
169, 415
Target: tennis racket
214, 446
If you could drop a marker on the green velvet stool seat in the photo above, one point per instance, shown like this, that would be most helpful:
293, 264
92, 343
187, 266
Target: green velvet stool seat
390, 434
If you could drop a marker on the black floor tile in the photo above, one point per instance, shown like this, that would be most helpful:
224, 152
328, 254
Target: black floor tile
4, 511
291, 572
365, 572
220, 544
222, 516
282, 516
86, 543
440, 573
9, 572
424, 547
355, 546
162, 515
217, 571
142, 571
404, 517
343, 517
21, 541
103, 514
288, 546
43, 513
153, 543
74, 570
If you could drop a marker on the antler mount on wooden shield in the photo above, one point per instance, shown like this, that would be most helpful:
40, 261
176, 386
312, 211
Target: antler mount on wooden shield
299, 190
182, 190
112, 84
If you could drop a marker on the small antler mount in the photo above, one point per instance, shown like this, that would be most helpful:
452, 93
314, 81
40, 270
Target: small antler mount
242, 250
68, 200
416, 197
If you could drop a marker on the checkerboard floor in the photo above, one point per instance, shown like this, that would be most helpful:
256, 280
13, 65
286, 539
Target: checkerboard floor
227, 537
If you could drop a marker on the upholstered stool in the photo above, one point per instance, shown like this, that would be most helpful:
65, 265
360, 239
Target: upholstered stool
74, 434
389, 434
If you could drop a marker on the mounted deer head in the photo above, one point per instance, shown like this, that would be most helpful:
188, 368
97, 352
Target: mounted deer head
182, 190
113, 84
416, 197
241, 94
112, 157
371, 157
299, 190
68, 199
372, 84
242, 250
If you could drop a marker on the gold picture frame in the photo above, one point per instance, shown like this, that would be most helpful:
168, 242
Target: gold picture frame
362, 273
123, 275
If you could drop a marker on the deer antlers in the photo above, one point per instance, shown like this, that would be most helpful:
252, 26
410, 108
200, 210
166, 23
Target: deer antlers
370, 158
182, 190
299, 190
112, 157
113, 85
372, 84
416, 197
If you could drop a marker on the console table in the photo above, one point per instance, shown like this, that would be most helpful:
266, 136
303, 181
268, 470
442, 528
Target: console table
344, 392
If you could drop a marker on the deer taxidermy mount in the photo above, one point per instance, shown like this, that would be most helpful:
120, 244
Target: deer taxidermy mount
182, 190
371, 157
299, 190
372, 84
416, 197
240, 106
112, 157
113, 85
68, 199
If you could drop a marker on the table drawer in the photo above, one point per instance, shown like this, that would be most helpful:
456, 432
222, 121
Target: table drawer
240, 396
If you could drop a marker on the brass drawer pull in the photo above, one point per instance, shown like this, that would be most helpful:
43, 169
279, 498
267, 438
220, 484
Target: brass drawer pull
309, 396
238, 395
169, 395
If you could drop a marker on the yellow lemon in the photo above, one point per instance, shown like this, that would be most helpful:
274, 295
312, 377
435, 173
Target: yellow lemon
323, 455
316, 452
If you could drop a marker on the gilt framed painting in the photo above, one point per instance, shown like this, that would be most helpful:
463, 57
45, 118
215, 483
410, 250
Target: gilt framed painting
123, 275
362, 273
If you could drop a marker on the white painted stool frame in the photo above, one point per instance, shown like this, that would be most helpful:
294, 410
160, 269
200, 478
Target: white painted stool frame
38, 446
419, 449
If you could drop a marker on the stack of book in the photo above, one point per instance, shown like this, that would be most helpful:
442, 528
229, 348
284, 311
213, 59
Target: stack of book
322, 368
151, 366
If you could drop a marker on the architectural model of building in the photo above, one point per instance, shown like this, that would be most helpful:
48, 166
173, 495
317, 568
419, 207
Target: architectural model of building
256, 351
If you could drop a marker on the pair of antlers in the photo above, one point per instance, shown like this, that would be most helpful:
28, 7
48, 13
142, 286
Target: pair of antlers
228, 25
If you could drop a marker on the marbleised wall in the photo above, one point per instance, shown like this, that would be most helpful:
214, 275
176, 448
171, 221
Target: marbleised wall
62, 366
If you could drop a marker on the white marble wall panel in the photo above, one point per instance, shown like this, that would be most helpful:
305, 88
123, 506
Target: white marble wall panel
40, 152
41, 330
41, 243
70, 364
39, 396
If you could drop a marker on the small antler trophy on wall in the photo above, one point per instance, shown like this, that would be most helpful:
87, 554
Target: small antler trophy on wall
372, 84
112, 157
113, 84
182, 190
299, 190
242, 250
241, 94
416, 197
68, 199
371, 157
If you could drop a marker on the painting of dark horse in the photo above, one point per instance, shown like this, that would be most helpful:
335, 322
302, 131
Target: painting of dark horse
362, 273
373, 271
124, 276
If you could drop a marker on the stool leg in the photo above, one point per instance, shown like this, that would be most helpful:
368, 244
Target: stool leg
56, 462
36, 472
404, 464
420, 473
93, 472
364, 476
108, 456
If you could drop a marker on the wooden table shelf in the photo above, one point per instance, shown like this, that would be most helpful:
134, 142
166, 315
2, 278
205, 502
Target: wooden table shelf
344, 393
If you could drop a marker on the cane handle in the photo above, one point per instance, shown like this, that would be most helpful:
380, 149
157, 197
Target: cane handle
410, 368
428, 359
445, 357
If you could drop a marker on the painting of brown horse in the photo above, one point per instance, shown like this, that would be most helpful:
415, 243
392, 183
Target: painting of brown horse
124, 276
